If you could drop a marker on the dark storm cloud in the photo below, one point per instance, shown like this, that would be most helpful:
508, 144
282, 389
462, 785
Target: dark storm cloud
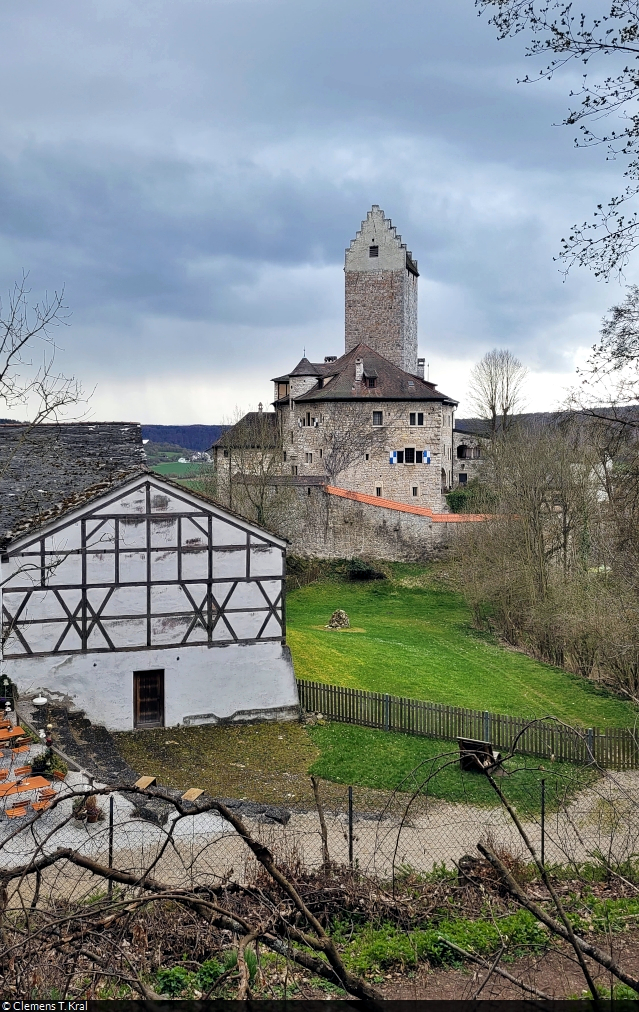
193, 170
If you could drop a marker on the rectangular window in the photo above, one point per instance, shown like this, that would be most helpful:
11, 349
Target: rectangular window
412, 418
293, 468
292, 437
415, 490
409, 455
308, 418
371, 382
366, 456
378, 490
400, 456
378, 417
321, 454
373, 251
284, 456
420, 417
309, 458
463, 478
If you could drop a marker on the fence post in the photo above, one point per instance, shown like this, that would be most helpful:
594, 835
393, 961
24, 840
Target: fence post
386, 712
350, 826
590, 741
486, 725
110, 886
543, 823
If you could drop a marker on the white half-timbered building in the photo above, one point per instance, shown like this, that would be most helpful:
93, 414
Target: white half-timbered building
146, 605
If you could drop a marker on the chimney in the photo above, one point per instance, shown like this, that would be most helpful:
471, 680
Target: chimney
359, 370
421, 362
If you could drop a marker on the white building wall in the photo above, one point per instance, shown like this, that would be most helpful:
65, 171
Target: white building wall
201, 684
149, 578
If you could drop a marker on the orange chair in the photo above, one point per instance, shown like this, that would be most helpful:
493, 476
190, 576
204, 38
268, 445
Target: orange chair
39, 806
4, 774
21, 771
46, 794
5, 725
57, 775
20, 748
17, 811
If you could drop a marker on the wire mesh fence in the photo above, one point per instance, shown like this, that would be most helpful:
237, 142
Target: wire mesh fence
377, 834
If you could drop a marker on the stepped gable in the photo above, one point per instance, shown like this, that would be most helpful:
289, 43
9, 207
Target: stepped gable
44, 465
378, 228
337, 381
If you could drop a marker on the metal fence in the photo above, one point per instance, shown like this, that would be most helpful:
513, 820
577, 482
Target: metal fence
615, 748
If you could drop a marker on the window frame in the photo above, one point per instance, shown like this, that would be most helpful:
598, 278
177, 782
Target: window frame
380, 415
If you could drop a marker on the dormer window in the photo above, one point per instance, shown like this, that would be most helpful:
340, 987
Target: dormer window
373, 251
371, 382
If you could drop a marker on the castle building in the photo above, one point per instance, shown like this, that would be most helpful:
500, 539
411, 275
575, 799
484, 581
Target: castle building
369, 421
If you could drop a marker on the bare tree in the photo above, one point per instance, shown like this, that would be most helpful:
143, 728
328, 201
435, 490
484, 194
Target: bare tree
348, 435
560, 34
247, 474
28, 376
496, 388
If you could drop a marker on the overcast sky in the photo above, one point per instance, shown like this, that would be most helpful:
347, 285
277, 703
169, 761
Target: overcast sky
192, 170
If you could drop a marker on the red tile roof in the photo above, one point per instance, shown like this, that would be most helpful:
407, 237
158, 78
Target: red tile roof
390, 504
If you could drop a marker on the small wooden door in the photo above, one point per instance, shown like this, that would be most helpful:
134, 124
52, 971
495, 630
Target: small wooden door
148, 698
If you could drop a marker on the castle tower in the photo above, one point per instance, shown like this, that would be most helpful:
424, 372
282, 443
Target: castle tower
381, 292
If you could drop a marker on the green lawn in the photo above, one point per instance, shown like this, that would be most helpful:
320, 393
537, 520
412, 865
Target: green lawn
176, 470
387, 761
417, 641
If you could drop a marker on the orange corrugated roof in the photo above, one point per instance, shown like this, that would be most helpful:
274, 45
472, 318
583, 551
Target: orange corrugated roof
390, 504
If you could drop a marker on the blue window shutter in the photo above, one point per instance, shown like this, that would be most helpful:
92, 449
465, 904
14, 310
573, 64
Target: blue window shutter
426, 456
392, 457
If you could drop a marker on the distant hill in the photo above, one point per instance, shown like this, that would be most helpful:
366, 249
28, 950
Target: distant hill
191, 437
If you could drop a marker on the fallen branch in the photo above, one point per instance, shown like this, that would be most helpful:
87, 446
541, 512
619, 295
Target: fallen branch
496, 969
585, 948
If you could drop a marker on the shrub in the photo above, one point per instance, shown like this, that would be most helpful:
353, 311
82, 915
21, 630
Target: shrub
174, 981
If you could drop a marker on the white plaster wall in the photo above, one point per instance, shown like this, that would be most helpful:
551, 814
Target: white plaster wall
376, 230
198, 681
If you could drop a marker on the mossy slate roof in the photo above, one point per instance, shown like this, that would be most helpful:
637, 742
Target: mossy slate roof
42, 466
338, 381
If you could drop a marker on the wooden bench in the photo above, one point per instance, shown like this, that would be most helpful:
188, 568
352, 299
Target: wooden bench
477, 756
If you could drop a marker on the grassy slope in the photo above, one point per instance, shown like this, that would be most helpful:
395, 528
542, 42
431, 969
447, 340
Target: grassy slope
418, 642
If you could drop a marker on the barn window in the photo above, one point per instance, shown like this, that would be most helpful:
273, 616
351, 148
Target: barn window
373, 251
378, 417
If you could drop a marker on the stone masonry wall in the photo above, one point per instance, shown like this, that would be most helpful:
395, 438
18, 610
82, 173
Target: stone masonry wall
381, 293
381, 311
396, 481
330, 527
